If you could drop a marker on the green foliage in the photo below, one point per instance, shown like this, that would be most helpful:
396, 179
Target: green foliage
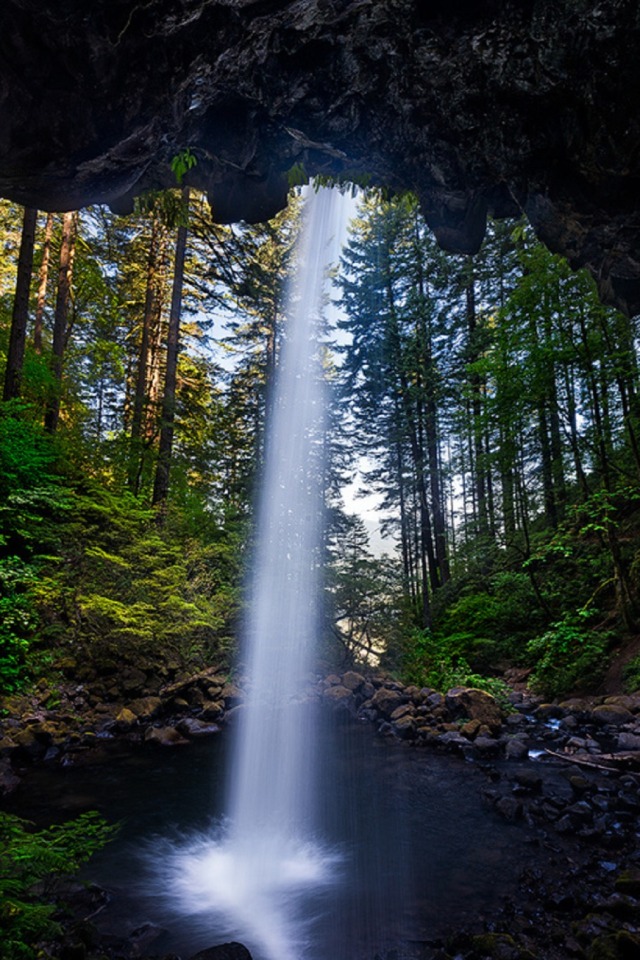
18, 619
430, 661
130, 588
569, 656
297, 176
181, 163
631, 675
32, 863
491, 620
32, 501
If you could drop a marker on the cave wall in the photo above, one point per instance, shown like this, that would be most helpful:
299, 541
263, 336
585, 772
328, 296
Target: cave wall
479, 106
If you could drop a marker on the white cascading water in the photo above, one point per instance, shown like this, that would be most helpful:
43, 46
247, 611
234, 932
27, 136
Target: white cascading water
254, 874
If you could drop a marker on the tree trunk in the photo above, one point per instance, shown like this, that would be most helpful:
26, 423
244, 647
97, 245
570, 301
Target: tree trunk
43, 278
20, 316
60, 318
476, 384
163, 467
150, 320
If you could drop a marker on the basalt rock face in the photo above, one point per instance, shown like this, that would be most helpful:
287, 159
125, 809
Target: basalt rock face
479, 106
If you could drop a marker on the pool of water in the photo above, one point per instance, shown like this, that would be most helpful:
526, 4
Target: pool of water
414, 852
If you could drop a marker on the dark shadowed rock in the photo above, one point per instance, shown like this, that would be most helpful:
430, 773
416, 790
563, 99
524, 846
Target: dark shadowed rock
481, 108
226, 951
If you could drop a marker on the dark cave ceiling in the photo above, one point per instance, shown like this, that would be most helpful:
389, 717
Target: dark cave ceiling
479, 106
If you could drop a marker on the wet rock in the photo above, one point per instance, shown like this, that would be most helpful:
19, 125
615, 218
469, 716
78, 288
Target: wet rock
212, 709
226, 951
630, 702
628, 741
580, 812
195, 696
192, 727
549, 711
486, 747
612, 714
29, 744
232, 715
529, 780
509, 808
471, 729
453, 739
435, 702
386, 701
515, 750
499, 946
406, 710
339, 696
232, 695
404, 727
353, 681
476, 705
146, 708
125, 719
164, 736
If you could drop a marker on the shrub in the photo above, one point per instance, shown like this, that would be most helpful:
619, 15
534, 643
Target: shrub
429, 661
32, 861
569, 656
489, 623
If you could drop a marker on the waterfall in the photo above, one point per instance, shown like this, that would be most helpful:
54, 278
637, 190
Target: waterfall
251, 877
270, 780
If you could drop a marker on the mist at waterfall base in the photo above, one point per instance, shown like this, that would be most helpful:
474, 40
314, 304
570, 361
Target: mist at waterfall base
257, 869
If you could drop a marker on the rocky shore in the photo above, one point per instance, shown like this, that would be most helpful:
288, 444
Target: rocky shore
570, 771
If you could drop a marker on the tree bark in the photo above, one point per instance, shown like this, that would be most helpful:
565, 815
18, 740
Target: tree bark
150, 320
20, 316
60, 319
163, 466
43, 278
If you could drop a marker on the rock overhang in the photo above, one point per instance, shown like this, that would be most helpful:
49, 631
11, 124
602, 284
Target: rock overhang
490, 107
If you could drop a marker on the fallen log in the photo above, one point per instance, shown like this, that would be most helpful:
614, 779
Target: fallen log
624, 762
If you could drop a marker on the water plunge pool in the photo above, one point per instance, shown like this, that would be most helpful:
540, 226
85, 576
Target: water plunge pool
409, 848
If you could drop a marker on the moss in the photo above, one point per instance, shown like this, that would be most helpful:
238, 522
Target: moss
629, 883
499, 946
619, 946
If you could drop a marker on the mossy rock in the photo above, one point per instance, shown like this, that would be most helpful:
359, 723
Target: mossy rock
499, 946
619, 946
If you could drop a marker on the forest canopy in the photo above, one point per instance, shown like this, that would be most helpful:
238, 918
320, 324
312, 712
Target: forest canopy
491, 402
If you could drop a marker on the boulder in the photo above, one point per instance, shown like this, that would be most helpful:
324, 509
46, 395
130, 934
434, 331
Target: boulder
475, 705
212, 709
192, 727
164, 736
232, 696
353, 681
146, 708
516, 750
611, 713
226, 951
404, 727
385, 701
339, 696
126, 719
